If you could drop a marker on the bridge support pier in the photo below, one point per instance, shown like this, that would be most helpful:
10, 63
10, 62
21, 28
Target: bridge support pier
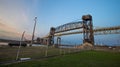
88, 29
51, 36
58, 42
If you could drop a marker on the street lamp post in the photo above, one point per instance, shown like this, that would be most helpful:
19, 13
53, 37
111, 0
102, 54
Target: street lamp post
33, 31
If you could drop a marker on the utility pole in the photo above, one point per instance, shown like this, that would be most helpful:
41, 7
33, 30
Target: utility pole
33, 31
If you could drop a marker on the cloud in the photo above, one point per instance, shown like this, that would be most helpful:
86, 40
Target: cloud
17, 16
9, 32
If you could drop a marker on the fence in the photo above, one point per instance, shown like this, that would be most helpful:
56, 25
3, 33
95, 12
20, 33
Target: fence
35, 52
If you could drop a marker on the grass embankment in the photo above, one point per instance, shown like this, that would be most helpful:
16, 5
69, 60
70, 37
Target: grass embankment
81, 59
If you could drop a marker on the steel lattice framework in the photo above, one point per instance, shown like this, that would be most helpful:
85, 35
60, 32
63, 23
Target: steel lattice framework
69, 26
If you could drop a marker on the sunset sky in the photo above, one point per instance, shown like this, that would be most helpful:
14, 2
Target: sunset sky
17, 16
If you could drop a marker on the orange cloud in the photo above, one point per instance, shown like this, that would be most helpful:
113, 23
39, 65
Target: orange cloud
9, 32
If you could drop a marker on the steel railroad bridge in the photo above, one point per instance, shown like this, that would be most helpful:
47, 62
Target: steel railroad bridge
86, 28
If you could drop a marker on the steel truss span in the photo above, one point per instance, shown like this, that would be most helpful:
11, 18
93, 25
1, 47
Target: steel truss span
69, 26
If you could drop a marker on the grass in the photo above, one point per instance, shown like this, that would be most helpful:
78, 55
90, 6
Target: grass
81, 59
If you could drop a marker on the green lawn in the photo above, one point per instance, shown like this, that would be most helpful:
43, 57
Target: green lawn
81, 59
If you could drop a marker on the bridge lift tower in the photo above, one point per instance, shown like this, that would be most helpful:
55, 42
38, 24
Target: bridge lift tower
88, 29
